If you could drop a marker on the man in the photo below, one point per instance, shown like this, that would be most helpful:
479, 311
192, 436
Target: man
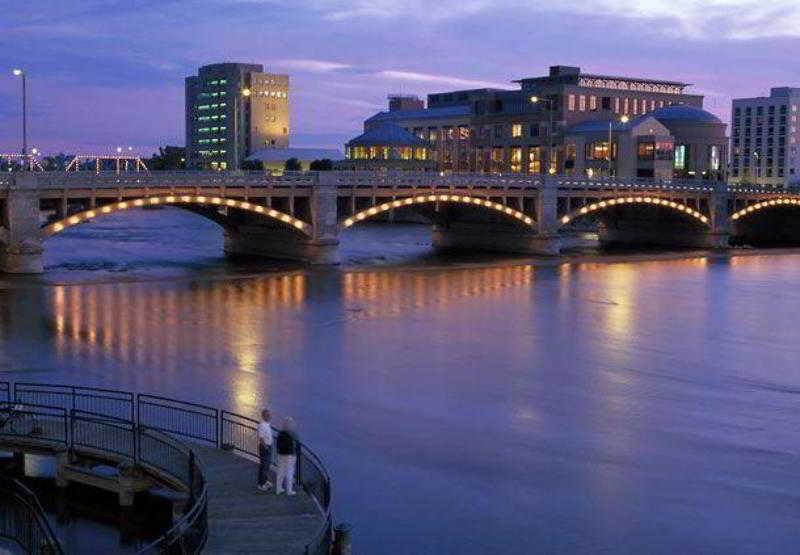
264, 450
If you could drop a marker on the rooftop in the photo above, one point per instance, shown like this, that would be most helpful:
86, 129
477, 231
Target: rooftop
432, 113
387, 134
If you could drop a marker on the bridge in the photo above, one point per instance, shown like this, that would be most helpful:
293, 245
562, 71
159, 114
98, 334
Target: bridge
300, 216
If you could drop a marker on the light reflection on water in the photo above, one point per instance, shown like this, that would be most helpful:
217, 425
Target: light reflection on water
586, 407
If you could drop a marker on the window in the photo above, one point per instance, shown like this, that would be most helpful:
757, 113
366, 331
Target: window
498, 131
593, 103
421, 153
616, 105
571, 103
605, 103
516, 159
664, 150
635, 105
625, 106
534, 130
597, 150
516, 130
535, 160
433, 134
582, 103
647, 151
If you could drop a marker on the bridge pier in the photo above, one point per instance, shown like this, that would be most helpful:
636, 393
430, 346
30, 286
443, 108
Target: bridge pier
21, 240
274, 240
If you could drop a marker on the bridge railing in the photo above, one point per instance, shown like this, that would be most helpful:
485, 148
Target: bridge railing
147, 429
23, 521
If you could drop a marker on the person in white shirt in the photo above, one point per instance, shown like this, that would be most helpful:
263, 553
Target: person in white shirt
264, 450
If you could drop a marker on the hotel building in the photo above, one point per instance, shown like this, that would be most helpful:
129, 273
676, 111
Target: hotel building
232, 111
764, 138
567, 122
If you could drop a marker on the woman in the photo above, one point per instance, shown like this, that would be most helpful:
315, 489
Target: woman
287, 445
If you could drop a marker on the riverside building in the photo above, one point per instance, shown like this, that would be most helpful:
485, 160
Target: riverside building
764, 138
232, 111
567, 122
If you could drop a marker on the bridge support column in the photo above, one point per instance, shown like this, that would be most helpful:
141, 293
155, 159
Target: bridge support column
21, 241
253, 237
719, 236
547, 240
324, 219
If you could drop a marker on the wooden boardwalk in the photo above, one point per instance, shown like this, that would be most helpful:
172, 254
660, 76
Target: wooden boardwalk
242, 519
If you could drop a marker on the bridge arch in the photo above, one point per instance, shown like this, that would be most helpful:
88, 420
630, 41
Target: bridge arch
521, 217
162, 200
753, 208
644, 200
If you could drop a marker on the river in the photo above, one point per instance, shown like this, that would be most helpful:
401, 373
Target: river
480, 405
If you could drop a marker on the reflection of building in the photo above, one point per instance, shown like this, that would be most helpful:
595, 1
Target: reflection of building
527, 130
233, 110
764, 138
387, 146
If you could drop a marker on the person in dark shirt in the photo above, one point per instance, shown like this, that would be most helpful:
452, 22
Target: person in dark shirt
286, 444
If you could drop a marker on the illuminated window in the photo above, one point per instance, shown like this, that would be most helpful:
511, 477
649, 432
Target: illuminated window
582, 103
680, 157
535, 160
421, 153
516, 159
664, 150
571, 103
625, 106
516, 130
593, 103
597, 150
616, 105
635, 105
714, 157
647, 151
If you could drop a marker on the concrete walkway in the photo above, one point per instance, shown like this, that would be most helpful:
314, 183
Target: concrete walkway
242, 519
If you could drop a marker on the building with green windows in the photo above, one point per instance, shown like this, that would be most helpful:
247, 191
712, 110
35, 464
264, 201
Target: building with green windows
233, 110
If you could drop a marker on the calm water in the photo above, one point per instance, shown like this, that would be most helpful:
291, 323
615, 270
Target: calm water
478, 407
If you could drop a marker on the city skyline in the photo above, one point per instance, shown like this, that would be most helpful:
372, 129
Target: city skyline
102, 74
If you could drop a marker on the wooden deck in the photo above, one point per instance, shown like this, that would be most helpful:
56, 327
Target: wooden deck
242, 519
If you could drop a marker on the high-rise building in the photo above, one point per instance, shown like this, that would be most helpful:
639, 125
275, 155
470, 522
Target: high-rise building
566, 122
764, 138
233, 110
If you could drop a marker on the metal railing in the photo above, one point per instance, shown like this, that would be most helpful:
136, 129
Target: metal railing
23, 521
145, 430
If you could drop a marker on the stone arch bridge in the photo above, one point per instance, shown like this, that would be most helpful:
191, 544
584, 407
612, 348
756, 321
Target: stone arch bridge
300, 216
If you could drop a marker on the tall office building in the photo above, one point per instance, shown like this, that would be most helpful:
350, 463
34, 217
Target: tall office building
233, 110
765, 137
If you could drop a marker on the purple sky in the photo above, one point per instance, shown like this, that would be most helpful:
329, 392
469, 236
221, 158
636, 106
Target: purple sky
108, 73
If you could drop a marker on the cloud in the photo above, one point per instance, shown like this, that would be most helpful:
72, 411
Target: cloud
315, 66
445, 80
696, 19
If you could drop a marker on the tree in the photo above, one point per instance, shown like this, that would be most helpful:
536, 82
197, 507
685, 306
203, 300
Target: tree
293, 165
57, 162
324, 165
252, 165
168, 158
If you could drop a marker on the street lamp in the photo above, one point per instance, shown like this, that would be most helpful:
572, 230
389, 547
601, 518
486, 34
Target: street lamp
244, 93
758, 165
21, 73
535, 100
623, 119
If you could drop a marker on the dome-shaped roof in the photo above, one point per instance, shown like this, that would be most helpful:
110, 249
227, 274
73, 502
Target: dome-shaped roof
387, 134
680, 113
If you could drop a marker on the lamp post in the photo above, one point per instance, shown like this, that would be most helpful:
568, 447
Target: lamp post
21, 73
243, 93
535, 100
623, 119
758, 165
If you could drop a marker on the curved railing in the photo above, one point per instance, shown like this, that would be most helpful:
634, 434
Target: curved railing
144, 430
22, 520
